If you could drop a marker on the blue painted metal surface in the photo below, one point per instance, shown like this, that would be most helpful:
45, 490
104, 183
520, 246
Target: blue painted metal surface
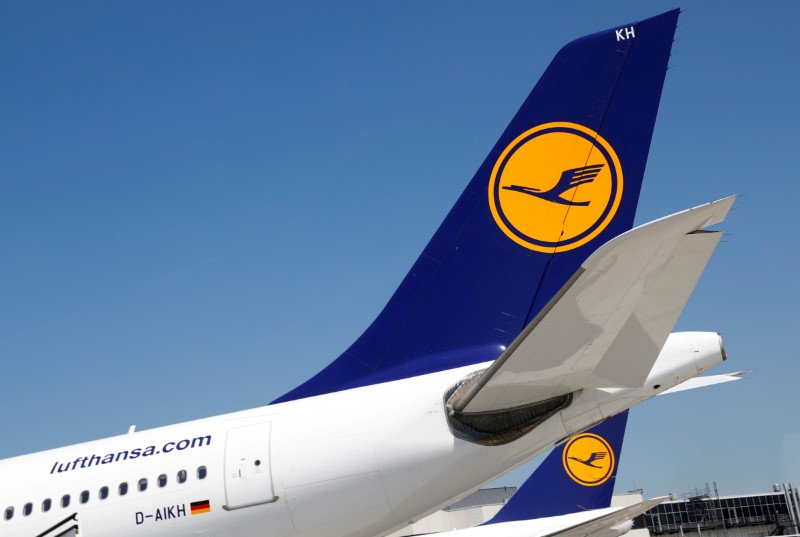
473, 289
550, 491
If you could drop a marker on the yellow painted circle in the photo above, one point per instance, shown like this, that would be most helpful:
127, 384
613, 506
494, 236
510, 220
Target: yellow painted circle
588, 459
555, 187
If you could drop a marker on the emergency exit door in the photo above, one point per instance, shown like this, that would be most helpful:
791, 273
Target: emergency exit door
248, 476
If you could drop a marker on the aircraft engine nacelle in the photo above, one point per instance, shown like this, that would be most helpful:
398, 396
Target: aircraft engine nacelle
686, 355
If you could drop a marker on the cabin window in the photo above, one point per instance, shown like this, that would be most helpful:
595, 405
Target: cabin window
182, 476
123, 489
103, 493
65, 500
27, 509
162, 480
9, 513
46, 505
201, 472
84, 496
143, 484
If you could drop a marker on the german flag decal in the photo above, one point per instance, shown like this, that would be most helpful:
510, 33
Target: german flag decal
199, 508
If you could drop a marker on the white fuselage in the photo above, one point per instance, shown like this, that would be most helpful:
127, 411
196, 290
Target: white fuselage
357, 463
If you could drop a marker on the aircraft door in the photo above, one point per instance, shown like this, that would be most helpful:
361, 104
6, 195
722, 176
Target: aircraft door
248, 473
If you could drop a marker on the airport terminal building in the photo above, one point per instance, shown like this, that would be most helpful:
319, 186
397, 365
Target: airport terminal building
752, 515
699, 514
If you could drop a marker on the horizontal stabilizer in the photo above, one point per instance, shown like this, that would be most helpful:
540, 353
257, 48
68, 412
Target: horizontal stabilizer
607, 325
590, 527
708, 380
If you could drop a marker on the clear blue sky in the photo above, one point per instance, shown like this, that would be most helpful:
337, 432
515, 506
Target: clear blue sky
202, 204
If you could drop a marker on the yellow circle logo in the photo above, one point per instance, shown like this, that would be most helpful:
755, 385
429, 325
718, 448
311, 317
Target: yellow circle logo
588, 459
555, 187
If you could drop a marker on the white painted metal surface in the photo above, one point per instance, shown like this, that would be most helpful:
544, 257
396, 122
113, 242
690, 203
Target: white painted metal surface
607, 329
248, 477
608, 522
354, 463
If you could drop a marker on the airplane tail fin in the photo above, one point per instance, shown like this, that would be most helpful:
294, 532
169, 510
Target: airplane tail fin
577, 476
563, 178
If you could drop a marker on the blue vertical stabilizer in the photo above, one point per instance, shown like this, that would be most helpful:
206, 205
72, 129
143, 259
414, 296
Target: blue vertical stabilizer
576, 476
563, 179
